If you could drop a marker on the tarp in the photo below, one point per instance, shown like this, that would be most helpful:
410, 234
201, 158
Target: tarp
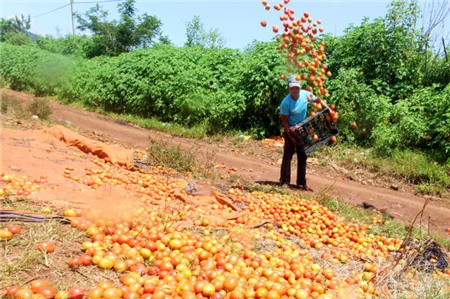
118, 156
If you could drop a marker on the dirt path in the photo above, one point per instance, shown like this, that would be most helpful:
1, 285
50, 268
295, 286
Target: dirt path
258, 164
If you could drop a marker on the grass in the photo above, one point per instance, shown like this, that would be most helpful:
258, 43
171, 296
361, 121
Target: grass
21, 260
413, 168
196, 132
380, 224
161, 154
409, 167
13, 107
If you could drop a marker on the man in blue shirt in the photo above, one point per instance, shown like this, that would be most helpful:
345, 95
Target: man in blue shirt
293, 110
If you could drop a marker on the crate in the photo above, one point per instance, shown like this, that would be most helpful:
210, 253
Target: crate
322, 125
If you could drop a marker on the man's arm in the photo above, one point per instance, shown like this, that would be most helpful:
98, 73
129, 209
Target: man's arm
284, 121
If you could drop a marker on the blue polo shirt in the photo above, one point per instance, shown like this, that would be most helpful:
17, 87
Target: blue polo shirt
296, 109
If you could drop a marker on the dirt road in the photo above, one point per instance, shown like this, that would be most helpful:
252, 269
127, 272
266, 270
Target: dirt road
258, 163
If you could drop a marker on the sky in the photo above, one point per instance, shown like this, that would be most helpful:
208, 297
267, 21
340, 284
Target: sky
237, 21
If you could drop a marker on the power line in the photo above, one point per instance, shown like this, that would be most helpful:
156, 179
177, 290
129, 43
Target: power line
80, 2
105, 1
46, 13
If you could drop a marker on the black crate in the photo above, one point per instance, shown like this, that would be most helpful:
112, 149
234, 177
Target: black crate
320, 124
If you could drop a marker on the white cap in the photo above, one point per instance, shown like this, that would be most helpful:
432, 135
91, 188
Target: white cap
292, 82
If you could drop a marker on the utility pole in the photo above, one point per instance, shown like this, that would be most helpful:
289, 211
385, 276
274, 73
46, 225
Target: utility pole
73, 17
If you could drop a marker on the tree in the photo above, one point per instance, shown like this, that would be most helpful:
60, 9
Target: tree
15, 30
15, 25
436, 65
388, 51
197, 36
115, 37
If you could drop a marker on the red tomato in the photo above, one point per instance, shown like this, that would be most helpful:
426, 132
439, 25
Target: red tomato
76, 293
37, 284
46, 247
11, 291
15, 229
46, 291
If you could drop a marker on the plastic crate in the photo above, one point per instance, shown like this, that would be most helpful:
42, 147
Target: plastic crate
322, 125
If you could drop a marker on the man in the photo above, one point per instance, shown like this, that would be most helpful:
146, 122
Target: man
293, 110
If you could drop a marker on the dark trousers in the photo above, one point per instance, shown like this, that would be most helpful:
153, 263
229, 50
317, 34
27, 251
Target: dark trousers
289, 150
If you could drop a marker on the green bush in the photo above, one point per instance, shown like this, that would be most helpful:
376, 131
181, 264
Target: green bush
224, 89
40, 107
30, 69
355, 101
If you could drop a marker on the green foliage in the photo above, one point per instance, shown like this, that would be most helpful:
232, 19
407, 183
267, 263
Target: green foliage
262, 89
69, 45
381, 81
196, 35
40, 107
438, 123
19, 39
115, 37
28, 68
15, 30
390, 52
183, 85
15, 25
356, 101
161, 154
413, 167
11, 106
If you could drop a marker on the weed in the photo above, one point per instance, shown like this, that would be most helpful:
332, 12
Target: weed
161, 154
12, 107
21, 257
409, 167
40, 107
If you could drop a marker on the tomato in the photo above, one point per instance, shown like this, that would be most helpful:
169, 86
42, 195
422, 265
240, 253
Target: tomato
46, 291
273, 295
23, 293
62, 295
208, 289
70, 213
76, 293
5, 234
85, 259
11, 290
95, 293
112, 293
106, 263
230, 283
15, 229
149, 287
37, 284
105, 284
328, 273
46, 247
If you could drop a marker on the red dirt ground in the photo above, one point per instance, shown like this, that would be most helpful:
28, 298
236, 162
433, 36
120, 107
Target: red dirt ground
35, 153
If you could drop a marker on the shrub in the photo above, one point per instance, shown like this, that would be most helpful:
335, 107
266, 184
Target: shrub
41, 107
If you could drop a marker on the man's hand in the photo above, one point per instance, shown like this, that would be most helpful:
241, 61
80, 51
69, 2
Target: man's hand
294, 140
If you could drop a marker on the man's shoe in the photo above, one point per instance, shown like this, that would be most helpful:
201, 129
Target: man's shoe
284, 184
306, 188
